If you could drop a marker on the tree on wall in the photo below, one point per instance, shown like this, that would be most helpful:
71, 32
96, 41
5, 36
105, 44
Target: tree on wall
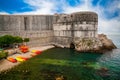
9, 41
1, 42
18, 39
6, 40
26, 40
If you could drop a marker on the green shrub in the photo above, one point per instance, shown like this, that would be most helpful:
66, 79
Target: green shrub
18, 39
26, 40
8, 40
3, 54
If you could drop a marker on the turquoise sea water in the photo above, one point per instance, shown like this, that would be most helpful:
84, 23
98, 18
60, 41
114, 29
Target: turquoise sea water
111, 59
86, 66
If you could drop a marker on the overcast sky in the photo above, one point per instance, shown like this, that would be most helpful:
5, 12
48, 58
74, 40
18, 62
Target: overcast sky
108, 10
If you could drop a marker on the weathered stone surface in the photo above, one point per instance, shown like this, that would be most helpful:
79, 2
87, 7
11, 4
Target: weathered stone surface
75, 25
39, 28
107, 43
37, 38
100, 44
26, 22
88, 44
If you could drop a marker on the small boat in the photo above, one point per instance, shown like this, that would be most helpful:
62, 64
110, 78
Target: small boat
11, 59
24, 58
33, 51
19, 59
24, 48
38, 52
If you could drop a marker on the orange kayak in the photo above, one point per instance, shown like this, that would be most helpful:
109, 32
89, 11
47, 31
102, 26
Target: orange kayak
38, 52
11, 59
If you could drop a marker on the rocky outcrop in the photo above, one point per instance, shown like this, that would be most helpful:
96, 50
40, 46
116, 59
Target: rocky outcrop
100, 44
107, 43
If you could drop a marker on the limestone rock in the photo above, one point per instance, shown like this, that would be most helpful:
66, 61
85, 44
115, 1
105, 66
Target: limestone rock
107, 43
99, 44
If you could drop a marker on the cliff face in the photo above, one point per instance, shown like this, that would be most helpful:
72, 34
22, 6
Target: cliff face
100, 44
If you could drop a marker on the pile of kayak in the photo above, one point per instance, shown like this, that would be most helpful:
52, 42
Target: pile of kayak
24, 48
21, 58
17, 59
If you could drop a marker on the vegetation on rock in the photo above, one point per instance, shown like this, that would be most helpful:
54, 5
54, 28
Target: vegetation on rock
3, 54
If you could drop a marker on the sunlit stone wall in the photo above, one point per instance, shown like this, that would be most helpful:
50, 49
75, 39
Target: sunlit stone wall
37, 38
26, 22
71, 27
45, 29
36, 27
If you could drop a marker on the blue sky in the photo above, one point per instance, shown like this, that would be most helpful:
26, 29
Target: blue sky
108, 10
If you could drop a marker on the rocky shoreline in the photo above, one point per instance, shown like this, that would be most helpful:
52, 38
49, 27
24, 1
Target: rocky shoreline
101, 44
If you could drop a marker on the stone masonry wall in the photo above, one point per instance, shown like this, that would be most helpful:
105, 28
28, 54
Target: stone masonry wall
44, 29
37, 38
36, 27
72, 27
26, 22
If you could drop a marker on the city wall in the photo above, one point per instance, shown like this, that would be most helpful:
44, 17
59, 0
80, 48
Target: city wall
36, 27
47, 29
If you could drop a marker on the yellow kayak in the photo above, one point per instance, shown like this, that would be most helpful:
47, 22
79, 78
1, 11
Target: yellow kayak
24, 58
19, 59
33, 51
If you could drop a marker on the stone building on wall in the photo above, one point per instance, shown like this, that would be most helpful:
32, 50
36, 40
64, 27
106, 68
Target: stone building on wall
71, 27
45, 29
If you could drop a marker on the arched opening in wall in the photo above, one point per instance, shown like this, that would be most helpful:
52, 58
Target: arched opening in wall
72, 46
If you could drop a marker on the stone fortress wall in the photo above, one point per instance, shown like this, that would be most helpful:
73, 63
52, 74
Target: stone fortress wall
72, 27
36, 27
46, 29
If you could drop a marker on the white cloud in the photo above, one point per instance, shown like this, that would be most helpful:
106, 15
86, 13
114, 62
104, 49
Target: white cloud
41, 6
4, 13
104, 25
111, 25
